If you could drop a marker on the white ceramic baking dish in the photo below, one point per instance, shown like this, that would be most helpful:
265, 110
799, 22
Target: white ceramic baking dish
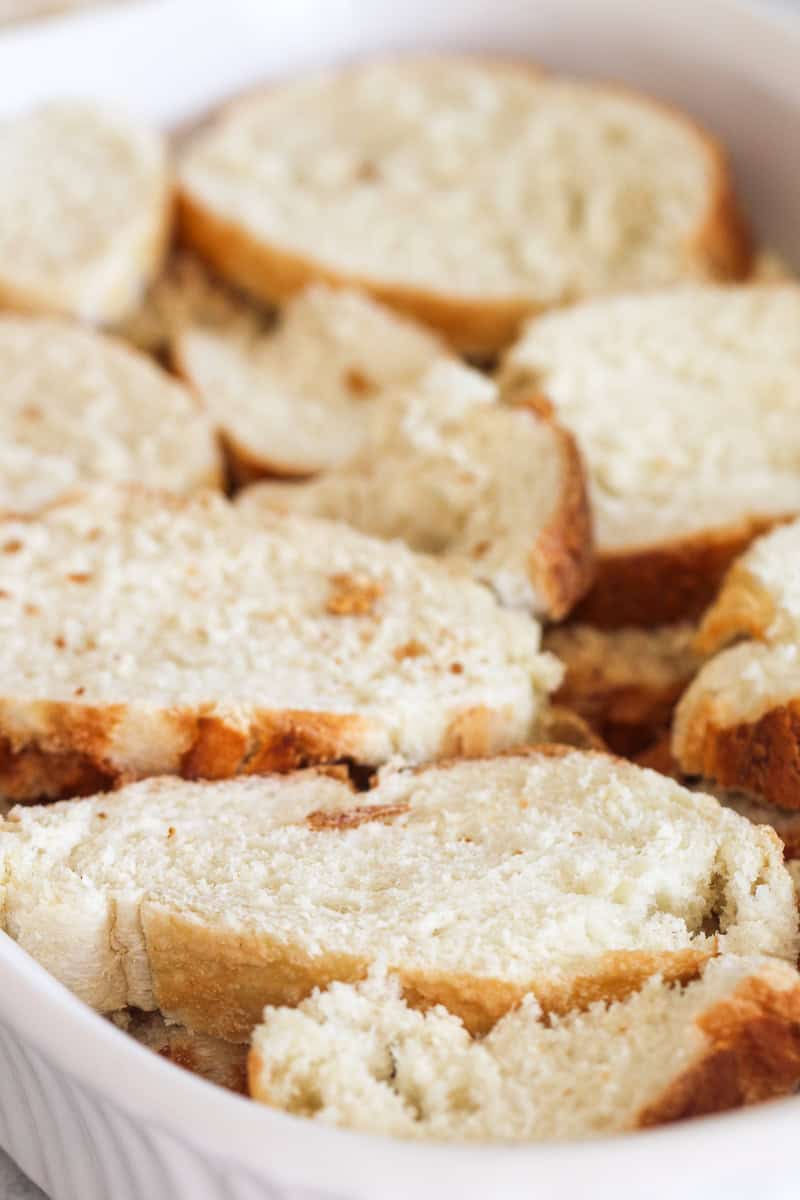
86, 1112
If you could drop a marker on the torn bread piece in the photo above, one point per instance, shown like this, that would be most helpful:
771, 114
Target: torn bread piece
686, 406
85, 203
466, 193
565, 873
213, 1059
357, 1056
145, 634
79, 407
624, 682
301, 396
496, 491
739, 722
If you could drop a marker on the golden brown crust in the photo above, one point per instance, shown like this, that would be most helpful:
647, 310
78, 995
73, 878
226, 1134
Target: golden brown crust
752, 1054
69, 750
219, 983
760, 757
743, 608
669, 581
720, 248
561, 563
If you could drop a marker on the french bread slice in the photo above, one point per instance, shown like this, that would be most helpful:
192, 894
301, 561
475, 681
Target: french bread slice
497, 491
685, 404
624, 682
467, 193
356, 1055
79, 406
300, 397
739, 722
146, 634
566, 873
85, 203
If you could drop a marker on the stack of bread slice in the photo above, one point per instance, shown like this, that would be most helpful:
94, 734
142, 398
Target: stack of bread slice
738, 723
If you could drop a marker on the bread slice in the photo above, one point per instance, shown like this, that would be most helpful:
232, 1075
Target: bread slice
79, 406
213, 1059
685, 403
84, 211
299, 398
468, 193
146, 635
496, 491
739, 722
358, 1056
624, 682
566, 873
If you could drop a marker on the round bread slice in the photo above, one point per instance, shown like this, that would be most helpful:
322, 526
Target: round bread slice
565, 873
298, 398
686, 406
496, 491
625, 682
356, 1055
85, 199
79, 406
144, 634
466, 193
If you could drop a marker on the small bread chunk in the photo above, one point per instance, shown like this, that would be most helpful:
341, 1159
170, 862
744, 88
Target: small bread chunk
300, 397
624, 682
565, 873
358, 1056
213, 1059
466, 193
739, 722
84, 211
686, 406
78, 406
144, 634
497, 491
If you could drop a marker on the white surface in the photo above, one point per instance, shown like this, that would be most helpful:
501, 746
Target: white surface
128, 1115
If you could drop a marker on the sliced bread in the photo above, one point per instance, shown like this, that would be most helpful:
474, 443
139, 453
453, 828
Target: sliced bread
299, 398
79, 406
358, 1056
566, 873
144, 634
686, 405
468, 193
497, 491
85, 205
739, 722
213, 1059
624, 682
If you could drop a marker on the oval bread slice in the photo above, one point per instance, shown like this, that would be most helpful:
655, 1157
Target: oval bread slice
466, 193
356, 1055
686, 406
78, 406
85, 198
144, 634
564, 873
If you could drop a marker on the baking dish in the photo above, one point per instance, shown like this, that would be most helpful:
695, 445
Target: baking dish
89, 1114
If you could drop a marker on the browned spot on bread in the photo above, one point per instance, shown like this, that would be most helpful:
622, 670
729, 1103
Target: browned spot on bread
353, 817
410, 649
12, 546
358, 383
79, 577
753, 1053
30, 775
351, 596
367, 171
